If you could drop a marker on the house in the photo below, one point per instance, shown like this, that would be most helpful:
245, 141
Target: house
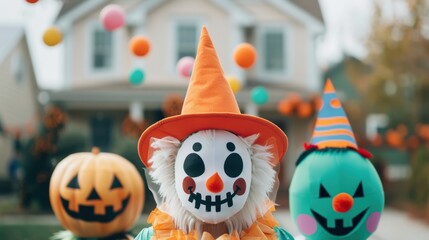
19, 107
98, 96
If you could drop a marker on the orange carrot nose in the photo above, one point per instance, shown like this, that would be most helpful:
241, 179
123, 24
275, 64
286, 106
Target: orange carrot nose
343, 202
214, 184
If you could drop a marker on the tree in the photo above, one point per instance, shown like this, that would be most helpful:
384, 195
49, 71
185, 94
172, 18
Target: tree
399, 55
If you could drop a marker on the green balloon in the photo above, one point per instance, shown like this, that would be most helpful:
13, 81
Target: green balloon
317, 190
136, 76
259, 95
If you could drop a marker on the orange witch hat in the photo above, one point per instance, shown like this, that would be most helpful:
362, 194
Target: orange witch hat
332, 127
211, 104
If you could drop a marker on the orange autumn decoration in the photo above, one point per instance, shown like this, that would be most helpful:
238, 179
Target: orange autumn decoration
394, 138
293, 105
172, 105
96, 194
285, 107
305, 109
54, 118
132, 127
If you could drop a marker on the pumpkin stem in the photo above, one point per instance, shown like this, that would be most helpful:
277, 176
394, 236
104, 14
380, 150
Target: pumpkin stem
95, 150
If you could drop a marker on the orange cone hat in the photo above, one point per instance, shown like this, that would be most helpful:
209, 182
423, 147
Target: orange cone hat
211, 104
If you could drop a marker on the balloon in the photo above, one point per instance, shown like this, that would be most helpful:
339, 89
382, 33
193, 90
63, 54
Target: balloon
245, 55
136, 77
52, 36
112, 17
259, 95
185, 65
234, 83
139, 46
32, 1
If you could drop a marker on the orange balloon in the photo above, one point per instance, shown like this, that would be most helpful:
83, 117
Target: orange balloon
139, 46
32, 1
305, 109
285, 107
245, 55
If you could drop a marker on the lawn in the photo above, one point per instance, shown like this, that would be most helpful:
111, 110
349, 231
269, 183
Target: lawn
40, 232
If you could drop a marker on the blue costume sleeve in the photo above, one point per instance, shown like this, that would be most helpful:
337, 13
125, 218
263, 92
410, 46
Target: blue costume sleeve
282, 234
145, 234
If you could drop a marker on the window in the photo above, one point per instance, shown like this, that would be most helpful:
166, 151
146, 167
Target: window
274, 44
274, 58
186, 39
102, 45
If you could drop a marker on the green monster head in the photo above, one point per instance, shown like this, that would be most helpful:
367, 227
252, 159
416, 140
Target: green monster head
335, 194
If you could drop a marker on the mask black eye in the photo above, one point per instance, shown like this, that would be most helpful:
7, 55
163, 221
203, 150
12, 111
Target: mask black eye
359, 191
73, 183
233, 165
197, 146
194, 165
116, 183
323, 193
230, 146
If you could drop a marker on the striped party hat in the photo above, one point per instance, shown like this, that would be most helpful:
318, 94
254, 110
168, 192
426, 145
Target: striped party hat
332, 128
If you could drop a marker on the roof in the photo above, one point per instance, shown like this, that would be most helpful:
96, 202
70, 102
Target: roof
69, 5
310, 6
9, 37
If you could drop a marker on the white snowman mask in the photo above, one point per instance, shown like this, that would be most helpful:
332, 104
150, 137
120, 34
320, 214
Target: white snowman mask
213, 172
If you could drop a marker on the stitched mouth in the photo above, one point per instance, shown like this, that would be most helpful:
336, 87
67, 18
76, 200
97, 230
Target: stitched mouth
209, 203
86, 213
339, 229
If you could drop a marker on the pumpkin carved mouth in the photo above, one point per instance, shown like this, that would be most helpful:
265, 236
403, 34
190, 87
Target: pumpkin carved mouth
86, 212
339, 229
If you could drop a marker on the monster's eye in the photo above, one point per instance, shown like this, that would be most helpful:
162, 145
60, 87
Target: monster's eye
74, 183
323, 193
116, 183
194, 165
359, 191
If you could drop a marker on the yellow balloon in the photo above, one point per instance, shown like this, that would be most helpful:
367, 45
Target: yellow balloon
52, 36
234, 83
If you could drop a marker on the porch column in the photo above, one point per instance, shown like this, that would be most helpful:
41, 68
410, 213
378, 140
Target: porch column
251, 109
136, 111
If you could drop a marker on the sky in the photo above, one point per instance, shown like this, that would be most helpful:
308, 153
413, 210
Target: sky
347, 25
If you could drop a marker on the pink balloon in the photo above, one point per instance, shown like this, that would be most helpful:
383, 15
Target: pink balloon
112, 17
185, 65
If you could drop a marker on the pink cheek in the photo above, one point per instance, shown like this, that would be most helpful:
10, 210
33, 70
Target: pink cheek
372, 222
306, 224
241, 184
188, 185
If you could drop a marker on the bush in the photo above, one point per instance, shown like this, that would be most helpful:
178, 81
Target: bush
419, 179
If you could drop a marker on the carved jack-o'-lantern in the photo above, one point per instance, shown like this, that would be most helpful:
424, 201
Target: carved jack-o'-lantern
96, 194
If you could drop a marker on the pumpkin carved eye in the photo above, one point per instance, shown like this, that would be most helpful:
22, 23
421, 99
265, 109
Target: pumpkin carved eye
323, 193
116, 183
73, 183
359, 191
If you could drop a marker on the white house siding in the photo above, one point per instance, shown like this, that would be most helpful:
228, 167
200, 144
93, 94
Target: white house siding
267, 15
18, 104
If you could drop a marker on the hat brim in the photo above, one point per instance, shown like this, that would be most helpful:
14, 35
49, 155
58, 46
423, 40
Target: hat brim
181, 126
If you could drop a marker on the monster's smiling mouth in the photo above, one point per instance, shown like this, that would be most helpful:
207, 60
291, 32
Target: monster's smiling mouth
339, 229
208, 201
86, 213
